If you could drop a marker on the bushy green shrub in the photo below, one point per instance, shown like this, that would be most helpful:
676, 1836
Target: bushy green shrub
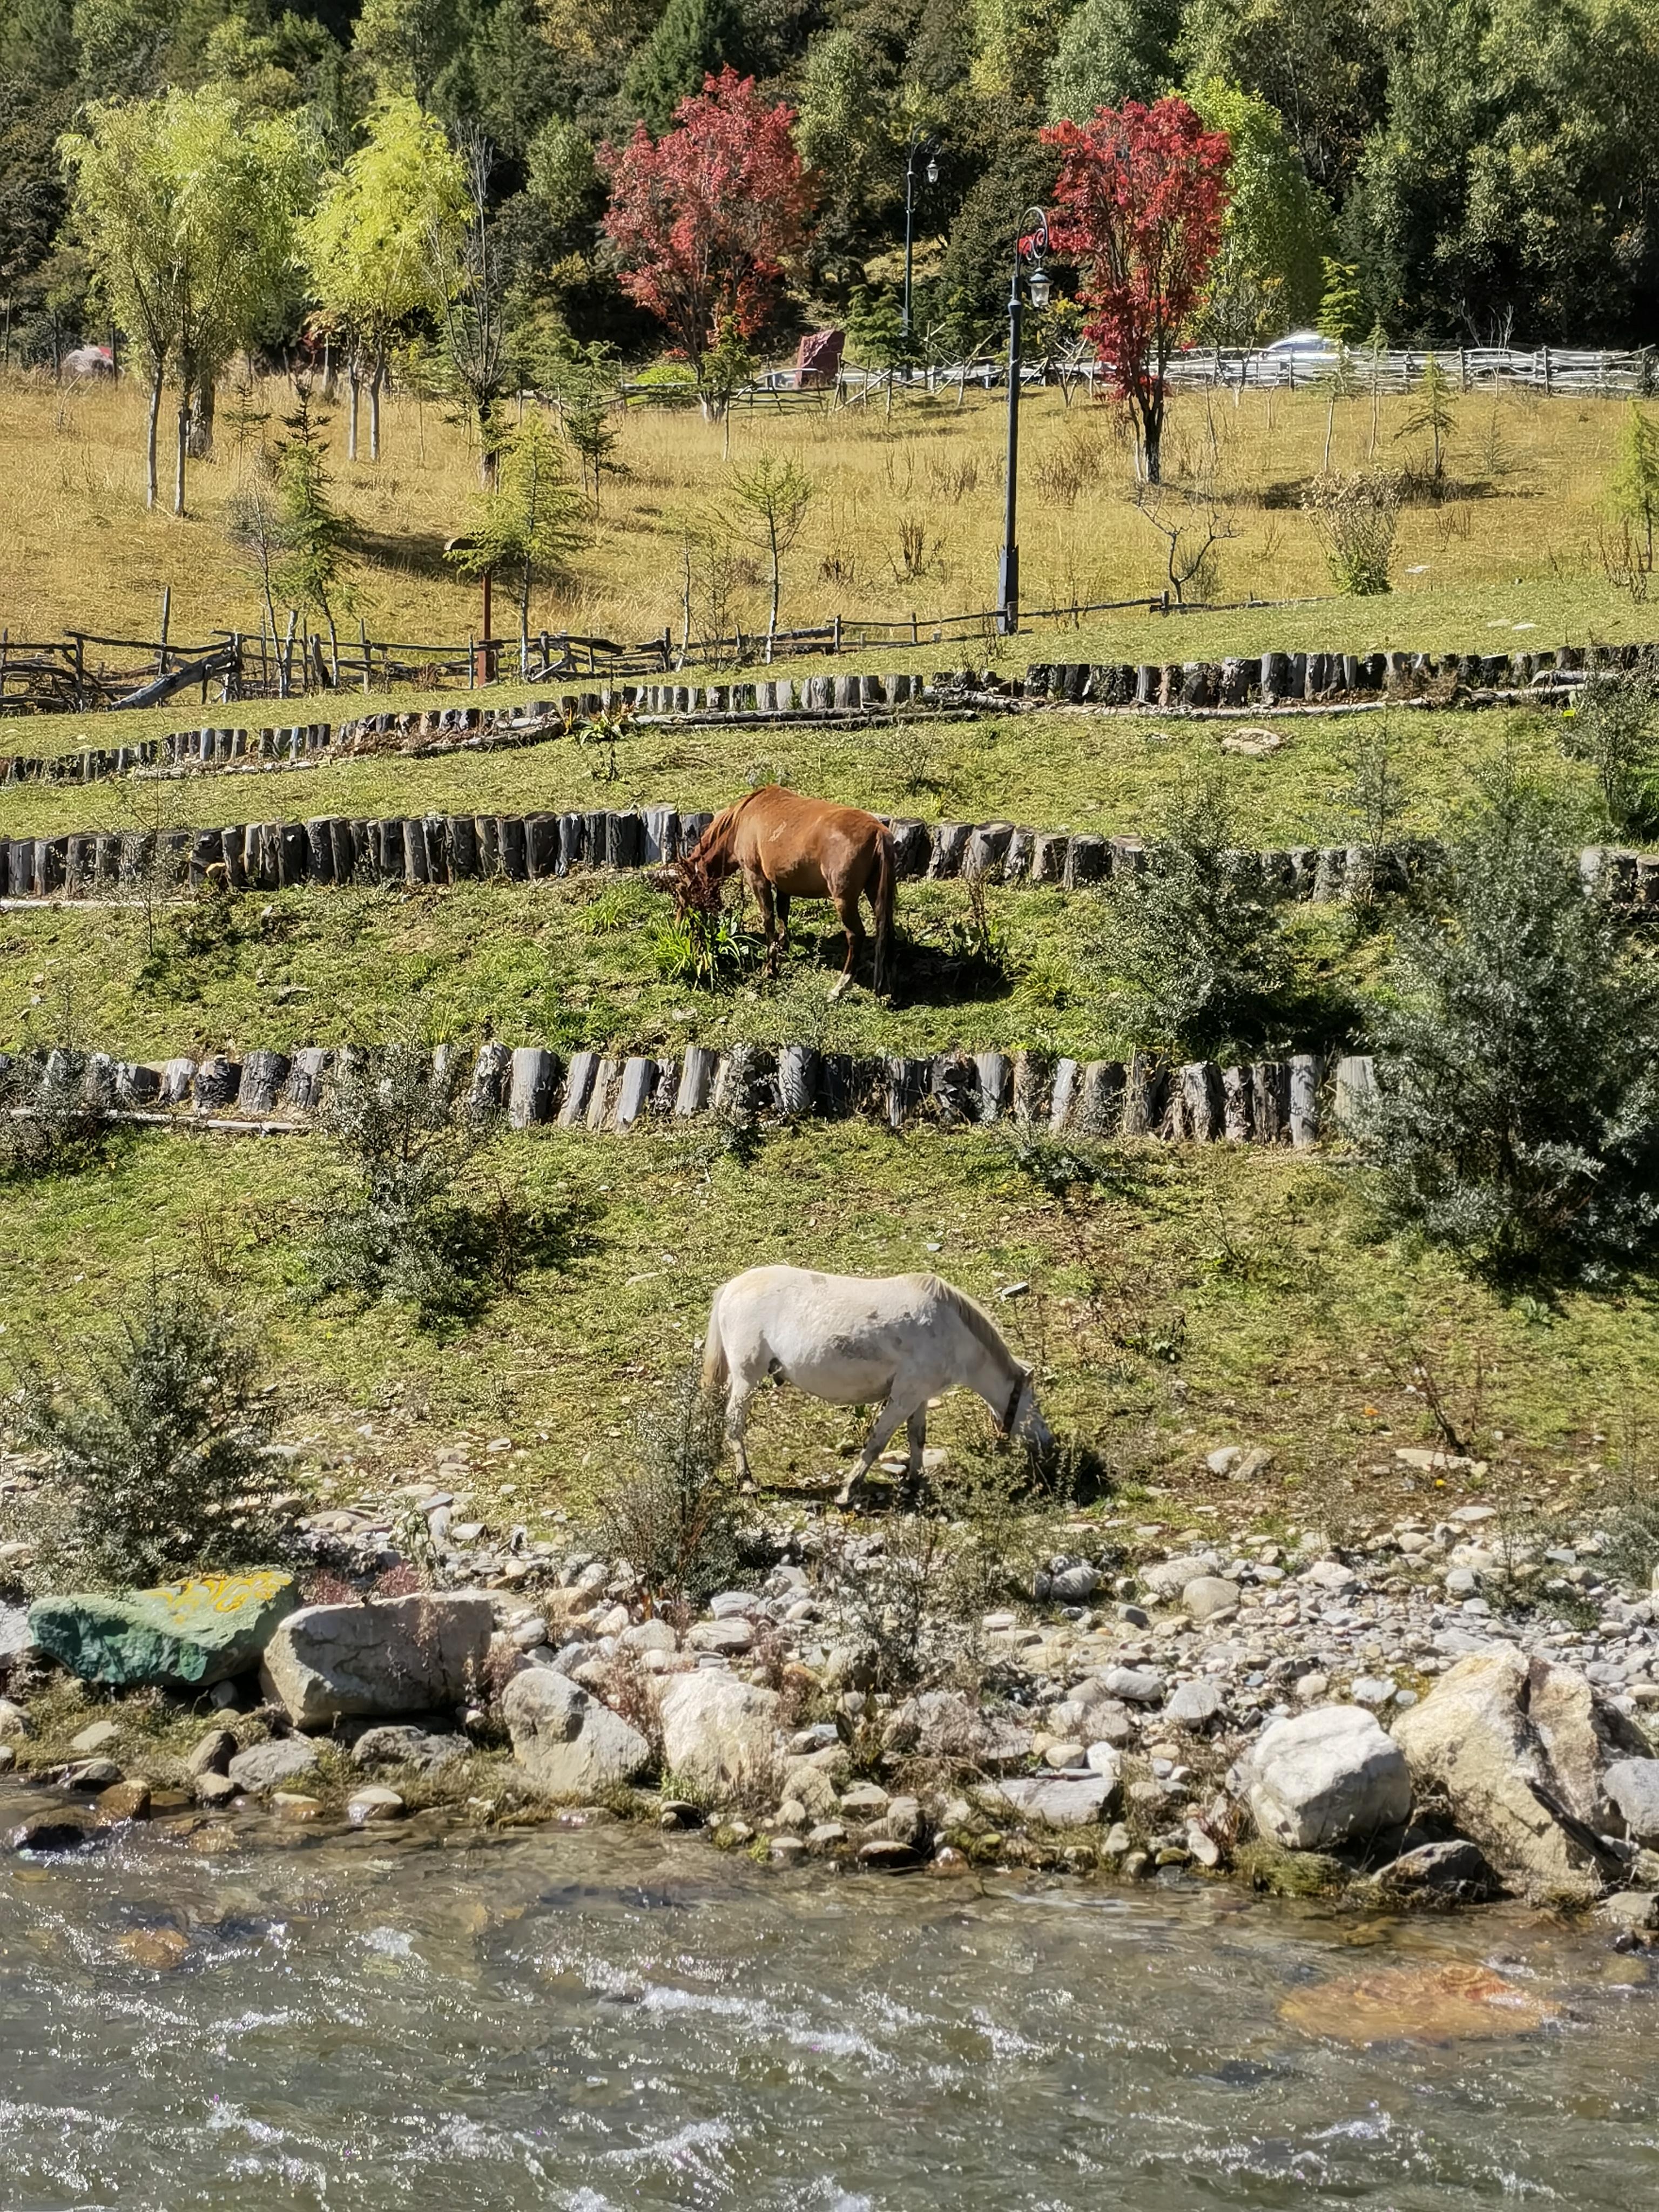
1517, 1120
154, 1459
401, 1127
1614, 724
1200, 949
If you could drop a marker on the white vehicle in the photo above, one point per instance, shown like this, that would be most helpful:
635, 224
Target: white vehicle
1302, 345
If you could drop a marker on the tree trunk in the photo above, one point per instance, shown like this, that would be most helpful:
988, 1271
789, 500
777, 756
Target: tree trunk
181, 449
1151, 424
150, 485
524, 623
354, 383
201, 406
375, 384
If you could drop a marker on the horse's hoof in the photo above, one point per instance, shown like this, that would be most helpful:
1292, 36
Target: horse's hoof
749, 1487
847, 1494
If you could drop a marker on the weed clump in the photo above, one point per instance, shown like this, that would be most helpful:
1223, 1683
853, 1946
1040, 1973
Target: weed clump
673, 1517
52, 1120
1357, 518
155, 1458
1613, 724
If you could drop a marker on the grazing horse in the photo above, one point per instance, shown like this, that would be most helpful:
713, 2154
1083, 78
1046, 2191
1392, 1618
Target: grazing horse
789, 847
892, 1340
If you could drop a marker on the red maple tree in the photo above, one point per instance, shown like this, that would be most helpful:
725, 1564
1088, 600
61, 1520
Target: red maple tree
1139, 205
703, 219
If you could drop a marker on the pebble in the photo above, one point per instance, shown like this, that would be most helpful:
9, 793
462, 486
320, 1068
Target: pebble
786, 1850
123, 1802
14, 1721
91, 1774
1371, 1690
1193, 1704
99, 1737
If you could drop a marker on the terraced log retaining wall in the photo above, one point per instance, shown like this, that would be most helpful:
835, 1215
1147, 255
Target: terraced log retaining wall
1268, 682
331, 850
1267, 1103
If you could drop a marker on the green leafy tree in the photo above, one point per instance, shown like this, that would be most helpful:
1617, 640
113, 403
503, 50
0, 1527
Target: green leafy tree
693, 40
1321, 63
1014, 42
773, 497
1517, 1120
385, 226
1267, 278
1111, 51
529, 526
1633, 490
1342, 310
562, 176
188, 215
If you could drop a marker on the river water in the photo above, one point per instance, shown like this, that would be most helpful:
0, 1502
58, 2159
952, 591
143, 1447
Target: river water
593, 2019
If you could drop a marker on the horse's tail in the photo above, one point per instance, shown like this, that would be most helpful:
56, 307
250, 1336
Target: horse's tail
716, 1368
881, 905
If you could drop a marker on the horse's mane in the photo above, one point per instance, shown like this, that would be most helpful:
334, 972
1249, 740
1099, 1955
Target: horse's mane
716, 839
980, 1323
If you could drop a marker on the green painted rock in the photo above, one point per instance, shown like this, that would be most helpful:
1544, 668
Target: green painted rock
184, 1636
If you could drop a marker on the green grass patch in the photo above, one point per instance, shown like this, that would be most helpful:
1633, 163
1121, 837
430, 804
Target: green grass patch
1200, 1297
1050, 770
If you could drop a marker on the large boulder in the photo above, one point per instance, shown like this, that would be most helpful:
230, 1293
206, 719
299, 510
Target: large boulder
1521, 1750
184, 1636
717, 1732
569, 1744
1633, 1785
392, 1655
1322, 1777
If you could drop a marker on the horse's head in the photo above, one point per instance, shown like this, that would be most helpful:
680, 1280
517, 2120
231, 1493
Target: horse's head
1025, 1422
694, 887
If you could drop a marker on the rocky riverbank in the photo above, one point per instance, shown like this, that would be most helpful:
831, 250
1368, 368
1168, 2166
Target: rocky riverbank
1446, 1712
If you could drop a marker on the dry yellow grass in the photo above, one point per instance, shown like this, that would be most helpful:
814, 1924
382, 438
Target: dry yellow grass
907, 516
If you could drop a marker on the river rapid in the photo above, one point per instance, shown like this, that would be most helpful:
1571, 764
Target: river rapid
598, 2018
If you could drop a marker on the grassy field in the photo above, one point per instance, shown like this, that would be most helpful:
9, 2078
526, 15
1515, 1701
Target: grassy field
1209, 1296
906, 519
1201, 1296
1051, 770
575, 964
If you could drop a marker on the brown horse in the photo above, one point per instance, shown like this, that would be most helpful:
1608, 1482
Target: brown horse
789, 847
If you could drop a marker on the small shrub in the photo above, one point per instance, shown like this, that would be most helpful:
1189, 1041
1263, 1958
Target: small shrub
1517, 1120
401, 1129
50, 1122
155, 1458
1358, 519
1613, 724
703, 946
673, 1517
1202, 955
909, 1602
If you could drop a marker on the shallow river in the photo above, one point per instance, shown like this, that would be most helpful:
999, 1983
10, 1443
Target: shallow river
587, 2019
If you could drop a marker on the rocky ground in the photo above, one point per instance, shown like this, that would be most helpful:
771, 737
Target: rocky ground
1447, 1713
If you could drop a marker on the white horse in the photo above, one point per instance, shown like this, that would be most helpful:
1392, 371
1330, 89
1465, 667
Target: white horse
892, 1340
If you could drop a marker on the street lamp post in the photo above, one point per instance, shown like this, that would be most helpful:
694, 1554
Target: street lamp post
917, 141
1030, 243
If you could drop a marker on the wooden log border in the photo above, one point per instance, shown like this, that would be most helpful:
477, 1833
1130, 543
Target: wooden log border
1269, 682
330, 851
1286, 1102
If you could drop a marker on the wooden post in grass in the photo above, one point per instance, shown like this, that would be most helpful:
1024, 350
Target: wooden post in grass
166, 610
